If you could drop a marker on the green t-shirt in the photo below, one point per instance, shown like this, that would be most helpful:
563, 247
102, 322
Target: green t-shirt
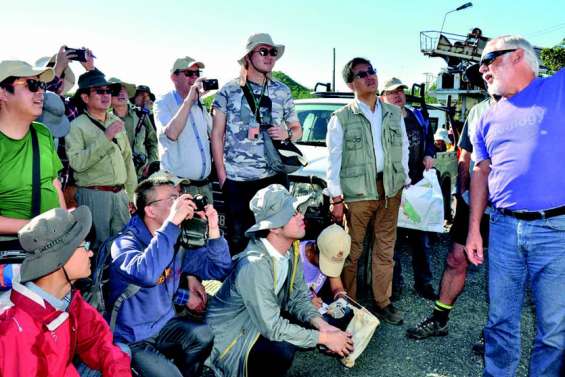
16, 161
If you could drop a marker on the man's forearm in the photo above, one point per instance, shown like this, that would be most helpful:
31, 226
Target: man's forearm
463, 175
218, 153
479, 195
9, 225
177, 123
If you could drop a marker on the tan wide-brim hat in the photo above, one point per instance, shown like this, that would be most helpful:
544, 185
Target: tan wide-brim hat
50, 240
18, 68
130, 88
260, 39
69, 79
334, 244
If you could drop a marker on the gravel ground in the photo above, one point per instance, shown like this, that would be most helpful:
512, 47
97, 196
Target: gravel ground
391, 353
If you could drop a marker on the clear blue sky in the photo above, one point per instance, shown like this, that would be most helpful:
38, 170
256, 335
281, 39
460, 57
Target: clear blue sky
138, 41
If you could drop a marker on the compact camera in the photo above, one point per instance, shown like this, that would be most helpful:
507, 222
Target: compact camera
211, 84
80, 54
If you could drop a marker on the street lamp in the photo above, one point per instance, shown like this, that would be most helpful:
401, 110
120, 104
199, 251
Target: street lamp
464, 6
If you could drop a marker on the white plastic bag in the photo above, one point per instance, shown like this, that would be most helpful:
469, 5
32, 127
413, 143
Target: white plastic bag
362, 327
422, 205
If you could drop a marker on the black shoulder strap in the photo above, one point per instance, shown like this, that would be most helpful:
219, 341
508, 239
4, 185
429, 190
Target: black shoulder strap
36, 175
101, 127
251, 102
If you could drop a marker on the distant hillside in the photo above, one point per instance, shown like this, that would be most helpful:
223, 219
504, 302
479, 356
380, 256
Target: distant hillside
298, 91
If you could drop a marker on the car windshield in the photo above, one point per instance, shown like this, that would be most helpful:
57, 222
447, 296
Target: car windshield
314, 118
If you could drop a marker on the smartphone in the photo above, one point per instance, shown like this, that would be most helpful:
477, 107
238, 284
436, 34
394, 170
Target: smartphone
80, 54
211, 84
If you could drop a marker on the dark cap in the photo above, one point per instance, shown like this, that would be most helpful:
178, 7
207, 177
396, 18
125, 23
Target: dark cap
92, 79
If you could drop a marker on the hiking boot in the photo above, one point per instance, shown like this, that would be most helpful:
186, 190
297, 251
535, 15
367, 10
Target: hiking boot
389, 314
427, 328
426, 291
479, 346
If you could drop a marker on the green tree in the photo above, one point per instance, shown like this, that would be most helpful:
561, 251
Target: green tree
554, 57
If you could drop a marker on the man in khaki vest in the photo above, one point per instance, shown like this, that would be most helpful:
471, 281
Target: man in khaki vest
368, 167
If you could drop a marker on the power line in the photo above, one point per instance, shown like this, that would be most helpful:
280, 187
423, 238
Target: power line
550, 29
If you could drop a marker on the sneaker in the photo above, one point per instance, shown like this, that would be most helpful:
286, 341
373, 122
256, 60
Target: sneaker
427, 292
479, 346
389, 314
428, 327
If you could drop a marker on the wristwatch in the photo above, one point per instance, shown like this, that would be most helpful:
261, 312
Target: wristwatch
289, 131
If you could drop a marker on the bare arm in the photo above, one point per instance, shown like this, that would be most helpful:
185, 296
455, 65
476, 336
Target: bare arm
59, 189
479, 197
296, 129
177, 123
217, 139
336, 287
463, 174
10, 225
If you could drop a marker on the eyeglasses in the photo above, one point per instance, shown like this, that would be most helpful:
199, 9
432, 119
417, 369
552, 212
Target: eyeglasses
490, 57
263, 51
32, 85
85, 245
102, 91
188, 73
115, 90
169, 200
362, 74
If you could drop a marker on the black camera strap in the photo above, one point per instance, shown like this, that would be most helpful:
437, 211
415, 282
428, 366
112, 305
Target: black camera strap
102, 128
36, 175
252, 101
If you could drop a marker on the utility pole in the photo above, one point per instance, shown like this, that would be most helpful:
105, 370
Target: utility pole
333, 72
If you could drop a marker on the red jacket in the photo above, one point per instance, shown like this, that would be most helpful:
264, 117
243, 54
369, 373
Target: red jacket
38, 340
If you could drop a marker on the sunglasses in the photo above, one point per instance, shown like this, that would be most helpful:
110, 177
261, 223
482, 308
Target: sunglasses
32, 85
263, 51
115, 90
85, 245
490, 57
362, 74
189, 73
102, 91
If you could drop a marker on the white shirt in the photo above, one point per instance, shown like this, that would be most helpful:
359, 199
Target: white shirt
189, 156
281, 264
334, 141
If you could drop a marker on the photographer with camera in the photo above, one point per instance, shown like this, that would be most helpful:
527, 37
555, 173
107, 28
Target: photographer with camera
137, 124
183, 127
148, 264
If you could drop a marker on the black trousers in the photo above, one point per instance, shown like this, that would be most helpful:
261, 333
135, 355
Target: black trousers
268, 358
421, 259
239, 218
179, 349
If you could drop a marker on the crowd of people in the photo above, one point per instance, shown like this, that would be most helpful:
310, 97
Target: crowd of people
114, 167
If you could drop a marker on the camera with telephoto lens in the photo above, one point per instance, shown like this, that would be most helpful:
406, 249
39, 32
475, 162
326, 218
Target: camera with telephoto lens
194, 232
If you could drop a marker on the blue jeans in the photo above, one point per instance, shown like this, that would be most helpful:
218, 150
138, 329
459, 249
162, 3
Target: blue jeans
518, 250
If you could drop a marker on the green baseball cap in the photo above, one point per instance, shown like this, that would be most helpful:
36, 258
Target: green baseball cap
393, 84
18, 68
185, 63
273, 207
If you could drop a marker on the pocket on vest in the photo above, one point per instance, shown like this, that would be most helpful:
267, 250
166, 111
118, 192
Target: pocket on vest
353, 140
395, 137
353, 181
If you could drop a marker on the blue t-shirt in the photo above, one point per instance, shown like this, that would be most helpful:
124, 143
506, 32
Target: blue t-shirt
524, 137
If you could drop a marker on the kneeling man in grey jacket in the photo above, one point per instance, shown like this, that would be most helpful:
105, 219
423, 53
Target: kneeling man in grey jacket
262, 313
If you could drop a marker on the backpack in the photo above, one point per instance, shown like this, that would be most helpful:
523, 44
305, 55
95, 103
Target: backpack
97, 292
